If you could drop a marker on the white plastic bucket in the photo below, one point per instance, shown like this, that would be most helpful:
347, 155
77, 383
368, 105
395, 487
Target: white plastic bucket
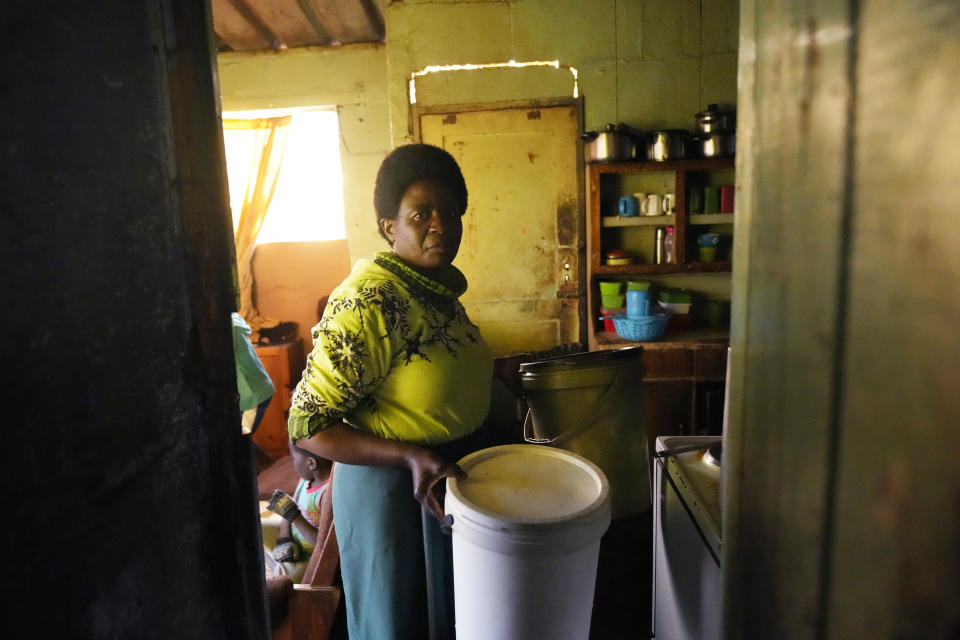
527, 523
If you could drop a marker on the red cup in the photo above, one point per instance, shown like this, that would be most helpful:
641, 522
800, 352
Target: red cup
607, 315
726, 198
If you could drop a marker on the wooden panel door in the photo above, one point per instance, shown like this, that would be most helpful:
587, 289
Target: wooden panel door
522, 229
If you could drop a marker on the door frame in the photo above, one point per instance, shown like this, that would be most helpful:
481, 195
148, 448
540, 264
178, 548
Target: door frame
417, 111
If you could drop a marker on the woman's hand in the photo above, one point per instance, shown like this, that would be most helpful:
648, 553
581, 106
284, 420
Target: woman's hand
343, 443
428, 469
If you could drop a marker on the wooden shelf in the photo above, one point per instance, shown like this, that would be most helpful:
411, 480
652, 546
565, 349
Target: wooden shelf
691, 338
711, 218
600, 226
606, 182
638, 269
638, 221
692, 164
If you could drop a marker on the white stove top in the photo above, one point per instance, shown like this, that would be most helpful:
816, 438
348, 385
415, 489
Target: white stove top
697, 480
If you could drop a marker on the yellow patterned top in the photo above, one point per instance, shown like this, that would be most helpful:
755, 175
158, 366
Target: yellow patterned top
395, 355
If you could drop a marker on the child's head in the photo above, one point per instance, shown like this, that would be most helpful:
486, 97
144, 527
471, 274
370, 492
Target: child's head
309, 465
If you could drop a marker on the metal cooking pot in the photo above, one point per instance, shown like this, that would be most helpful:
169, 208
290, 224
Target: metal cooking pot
667, 144
713, 145
716, 120
615, 143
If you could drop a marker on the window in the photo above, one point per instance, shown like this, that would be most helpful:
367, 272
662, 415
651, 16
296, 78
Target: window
308, 201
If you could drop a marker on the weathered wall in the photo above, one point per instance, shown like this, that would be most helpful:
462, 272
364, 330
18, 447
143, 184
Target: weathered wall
292, 276
131, 509
842, 513
649, 63
353, 78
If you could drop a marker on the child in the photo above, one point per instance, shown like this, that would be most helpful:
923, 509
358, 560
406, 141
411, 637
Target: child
296, 535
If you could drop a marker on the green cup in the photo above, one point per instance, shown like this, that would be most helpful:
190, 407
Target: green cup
707, 254
610, 288
711, 200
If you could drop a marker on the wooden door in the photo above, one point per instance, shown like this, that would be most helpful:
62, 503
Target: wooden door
521, 242
842, 509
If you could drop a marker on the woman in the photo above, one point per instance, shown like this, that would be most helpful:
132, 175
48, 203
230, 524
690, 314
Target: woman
396, 389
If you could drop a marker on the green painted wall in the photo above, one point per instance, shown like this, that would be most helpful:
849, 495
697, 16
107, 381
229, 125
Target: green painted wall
649, 63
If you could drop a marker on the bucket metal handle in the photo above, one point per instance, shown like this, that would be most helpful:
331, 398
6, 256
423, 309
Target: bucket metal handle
583, 424
528, 432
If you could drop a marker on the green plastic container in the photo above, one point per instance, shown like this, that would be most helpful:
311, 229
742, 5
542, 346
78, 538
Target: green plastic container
675, 296
612, 302
592, 404
610, 288
638, 285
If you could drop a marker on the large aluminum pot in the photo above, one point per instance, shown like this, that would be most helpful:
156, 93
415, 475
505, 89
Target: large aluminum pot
713, 145
615, 143
716, 120
666, 144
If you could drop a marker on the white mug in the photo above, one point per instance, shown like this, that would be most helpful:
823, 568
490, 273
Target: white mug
651, 205
669, 204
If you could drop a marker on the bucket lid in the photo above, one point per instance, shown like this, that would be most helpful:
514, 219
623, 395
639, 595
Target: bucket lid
626, 356
522, 486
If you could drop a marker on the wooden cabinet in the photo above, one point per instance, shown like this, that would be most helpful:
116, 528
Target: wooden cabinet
284, 364
607, 182
683, 387
636, 235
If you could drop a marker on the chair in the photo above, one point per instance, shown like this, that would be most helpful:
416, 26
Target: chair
311, 605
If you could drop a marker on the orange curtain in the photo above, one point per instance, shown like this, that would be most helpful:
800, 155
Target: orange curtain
270, 142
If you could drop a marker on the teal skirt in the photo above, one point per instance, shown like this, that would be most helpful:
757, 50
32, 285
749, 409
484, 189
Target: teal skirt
396, 564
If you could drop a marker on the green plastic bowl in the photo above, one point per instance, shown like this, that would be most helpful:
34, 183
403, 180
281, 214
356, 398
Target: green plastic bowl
675, 296
638, 285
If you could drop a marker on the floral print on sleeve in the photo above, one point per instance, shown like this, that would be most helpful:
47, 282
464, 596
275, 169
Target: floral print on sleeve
354, 345
395, 355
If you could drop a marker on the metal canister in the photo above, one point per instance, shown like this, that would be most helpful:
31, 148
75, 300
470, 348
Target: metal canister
659, 254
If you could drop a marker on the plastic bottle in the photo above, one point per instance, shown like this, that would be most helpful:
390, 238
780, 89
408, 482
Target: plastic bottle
670, 246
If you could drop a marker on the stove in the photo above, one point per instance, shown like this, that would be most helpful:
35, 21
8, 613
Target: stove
687, 537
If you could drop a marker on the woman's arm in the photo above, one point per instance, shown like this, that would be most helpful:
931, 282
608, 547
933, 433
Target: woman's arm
342, 443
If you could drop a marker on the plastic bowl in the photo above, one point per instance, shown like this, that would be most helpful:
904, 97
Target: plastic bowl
612, 302
606, 316
638, 285
675, 308
675, 296
647, 328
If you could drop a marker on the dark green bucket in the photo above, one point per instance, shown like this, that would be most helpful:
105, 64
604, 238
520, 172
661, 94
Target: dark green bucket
592, 404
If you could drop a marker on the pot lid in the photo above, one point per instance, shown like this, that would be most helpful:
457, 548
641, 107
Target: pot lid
627, 355
714, 110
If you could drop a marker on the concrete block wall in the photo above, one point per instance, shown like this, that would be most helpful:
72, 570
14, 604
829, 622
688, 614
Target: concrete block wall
351, 77
649, 63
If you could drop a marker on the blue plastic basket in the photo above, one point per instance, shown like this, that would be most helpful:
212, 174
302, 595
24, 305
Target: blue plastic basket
644, 328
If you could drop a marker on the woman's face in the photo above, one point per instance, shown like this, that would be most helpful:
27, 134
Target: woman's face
427, 230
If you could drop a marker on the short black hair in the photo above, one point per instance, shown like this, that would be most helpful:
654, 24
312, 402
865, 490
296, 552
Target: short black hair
405, 165
309, 454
